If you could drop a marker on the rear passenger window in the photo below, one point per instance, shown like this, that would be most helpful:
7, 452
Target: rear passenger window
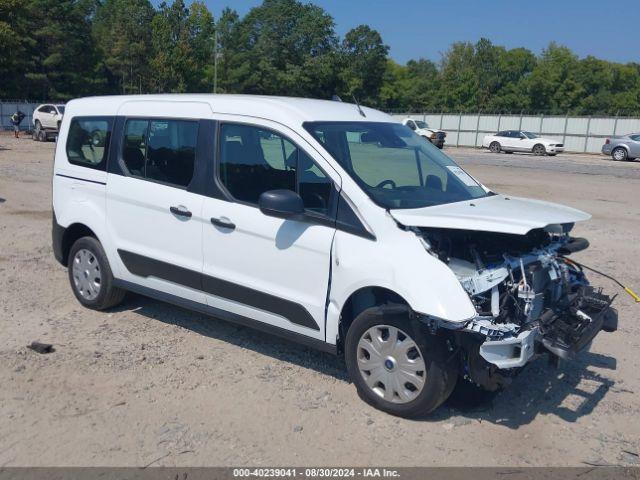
88, 141
161, 150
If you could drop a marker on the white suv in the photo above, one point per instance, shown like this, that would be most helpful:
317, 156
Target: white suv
48, 117
326, 223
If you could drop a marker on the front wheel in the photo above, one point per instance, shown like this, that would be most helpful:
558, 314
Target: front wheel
90, 275
395, 364
539, 149
619, 154
495, 147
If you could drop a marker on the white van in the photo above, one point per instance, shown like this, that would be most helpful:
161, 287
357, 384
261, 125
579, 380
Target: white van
326, 223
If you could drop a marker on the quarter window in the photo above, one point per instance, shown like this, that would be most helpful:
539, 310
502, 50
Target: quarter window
254, 160
161, 150
88, 141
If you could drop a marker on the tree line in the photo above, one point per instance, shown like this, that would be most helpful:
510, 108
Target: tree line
61, 49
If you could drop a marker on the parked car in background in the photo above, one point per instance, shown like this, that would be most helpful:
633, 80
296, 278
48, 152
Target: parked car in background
625, 147
423, 129
48, 117
509, 141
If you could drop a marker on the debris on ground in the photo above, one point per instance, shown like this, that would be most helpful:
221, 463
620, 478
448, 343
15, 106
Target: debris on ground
41, 347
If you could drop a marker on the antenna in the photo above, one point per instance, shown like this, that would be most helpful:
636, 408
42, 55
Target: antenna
358, 105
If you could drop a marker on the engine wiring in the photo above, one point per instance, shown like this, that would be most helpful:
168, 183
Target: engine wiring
631, 293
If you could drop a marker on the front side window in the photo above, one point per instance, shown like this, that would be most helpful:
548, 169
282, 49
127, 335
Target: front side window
255, 160
422, 124
161, 150
394, 166
529, 135
88, 141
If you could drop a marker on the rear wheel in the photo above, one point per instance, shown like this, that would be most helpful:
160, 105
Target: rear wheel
41, 136
37, 128
538, 149
90, 275
395, 365
619, 154
495, 147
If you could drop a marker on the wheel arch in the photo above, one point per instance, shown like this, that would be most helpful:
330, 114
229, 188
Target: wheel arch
71, 234
362, 299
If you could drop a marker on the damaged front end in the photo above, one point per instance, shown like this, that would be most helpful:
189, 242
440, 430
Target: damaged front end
530, 299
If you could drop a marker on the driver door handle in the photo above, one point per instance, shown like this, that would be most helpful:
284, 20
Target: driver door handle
223, 223
181, 211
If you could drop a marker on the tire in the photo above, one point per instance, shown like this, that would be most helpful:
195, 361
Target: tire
508, 152
88, 254
495, 147
552, 154
539, 150
36, 131
58, 125
41, 136
619, 154
432, 385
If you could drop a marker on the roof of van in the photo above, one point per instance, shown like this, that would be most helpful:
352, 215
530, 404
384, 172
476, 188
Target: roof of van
286, 110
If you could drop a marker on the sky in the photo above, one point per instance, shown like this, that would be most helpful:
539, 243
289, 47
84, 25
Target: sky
425, 29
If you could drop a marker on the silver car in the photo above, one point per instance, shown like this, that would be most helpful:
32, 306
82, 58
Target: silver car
625, 147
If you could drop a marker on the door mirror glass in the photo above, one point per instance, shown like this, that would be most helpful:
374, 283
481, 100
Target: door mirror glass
281, 203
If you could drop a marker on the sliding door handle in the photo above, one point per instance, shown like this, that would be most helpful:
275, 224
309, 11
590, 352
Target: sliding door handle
223, 222
180, 211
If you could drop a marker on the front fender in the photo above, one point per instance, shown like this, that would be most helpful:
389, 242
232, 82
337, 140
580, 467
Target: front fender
400, 263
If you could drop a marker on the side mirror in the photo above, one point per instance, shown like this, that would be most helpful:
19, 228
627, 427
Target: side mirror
522, 137
281, 203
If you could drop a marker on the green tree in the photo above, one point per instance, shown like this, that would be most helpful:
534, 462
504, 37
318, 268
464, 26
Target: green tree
61, 51
364, 59
121, 33
283, 47
16, 45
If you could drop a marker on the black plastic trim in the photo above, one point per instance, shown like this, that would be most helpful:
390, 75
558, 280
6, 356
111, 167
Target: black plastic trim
149, 267
57, 236
82, 179
228, 316
348, 221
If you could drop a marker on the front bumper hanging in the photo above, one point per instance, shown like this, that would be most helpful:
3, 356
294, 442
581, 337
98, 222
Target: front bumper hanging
561, 333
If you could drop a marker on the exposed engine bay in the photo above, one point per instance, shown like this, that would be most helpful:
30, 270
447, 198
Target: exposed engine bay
529, 297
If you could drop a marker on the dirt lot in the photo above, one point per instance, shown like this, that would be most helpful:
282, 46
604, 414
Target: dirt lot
150, 383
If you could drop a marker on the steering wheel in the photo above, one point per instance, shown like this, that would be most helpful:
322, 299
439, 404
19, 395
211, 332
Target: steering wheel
383, 183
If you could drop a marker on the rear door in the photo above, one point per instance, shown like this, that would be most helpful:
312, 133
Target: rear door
153, 214
268, 269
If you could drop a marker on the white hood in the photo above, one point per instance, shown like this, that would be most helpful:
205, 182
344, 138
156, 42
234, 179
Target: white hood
496, 213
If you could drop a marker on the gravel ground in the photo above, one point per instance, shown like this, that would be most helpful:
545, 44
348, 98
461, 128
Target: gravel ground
148, 383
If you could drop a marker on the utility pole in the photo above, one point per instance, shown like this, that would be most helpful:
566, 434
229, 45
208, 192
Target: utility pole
215, 62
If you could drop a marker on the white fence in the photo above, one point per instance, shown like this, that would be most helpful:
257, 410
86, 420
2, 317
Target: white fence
579, 134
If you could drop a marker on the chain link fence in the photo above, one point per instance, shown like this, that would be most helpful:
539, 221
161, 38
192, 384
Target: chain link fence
578, 134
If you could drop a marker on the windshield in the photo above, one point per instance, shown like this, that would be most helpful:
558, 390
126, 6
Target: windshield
530, 135
61, 109
421, 124
394, 166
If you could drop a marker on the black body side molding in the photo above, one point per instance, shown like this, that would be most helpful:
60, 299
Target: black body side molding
228, 316
149, 267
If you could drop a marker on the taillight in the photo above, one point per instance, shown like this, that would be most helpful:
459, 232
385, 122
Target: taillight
607, 141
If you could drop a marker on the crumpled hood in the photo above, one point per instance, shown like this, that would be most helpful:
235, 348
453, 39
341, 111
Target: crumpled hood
496, 213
